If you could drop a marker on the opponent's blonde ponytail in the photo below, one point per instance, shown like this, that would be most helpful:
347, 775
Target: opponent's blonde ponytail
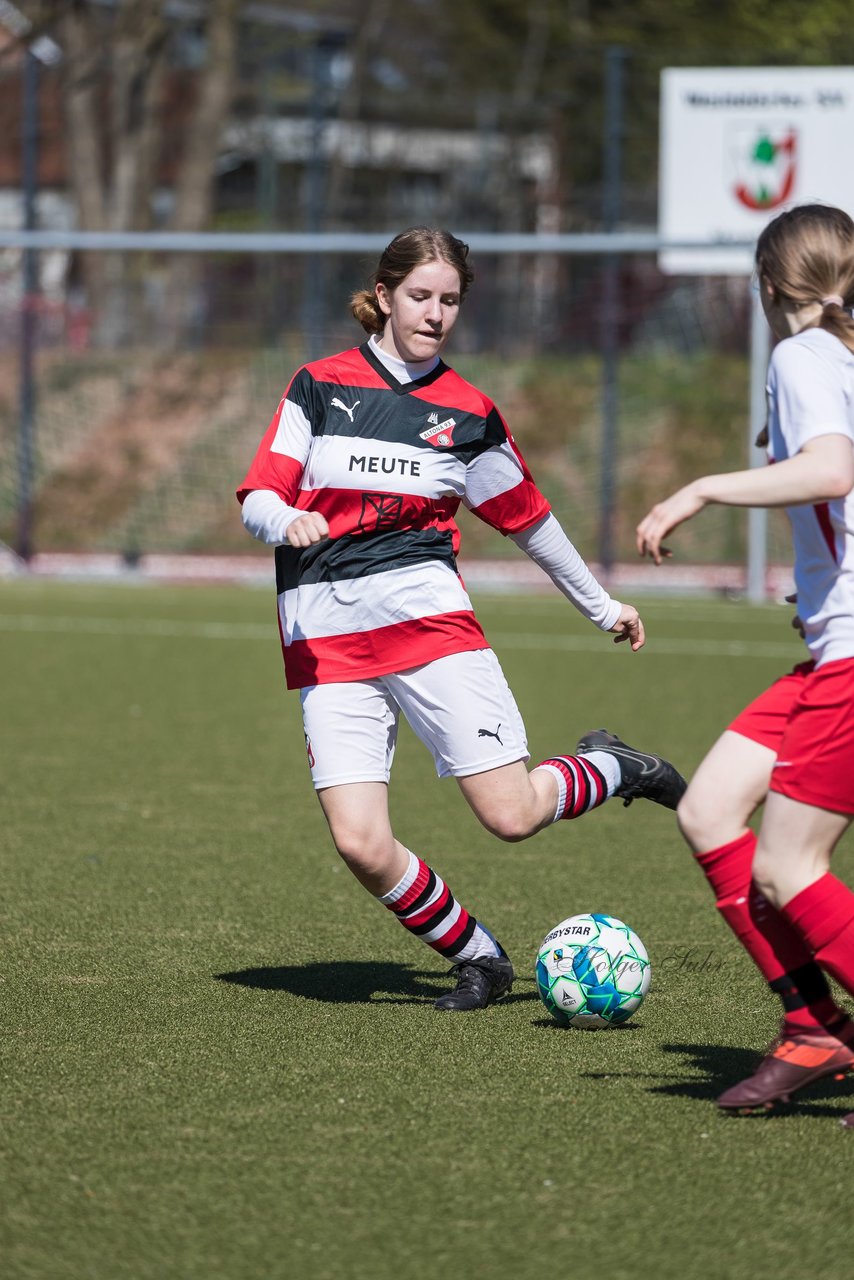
807, 254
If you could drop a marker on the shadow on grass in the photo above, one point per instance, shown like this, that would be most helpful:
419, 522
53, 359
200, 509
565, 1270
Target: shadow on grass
352, 982
343, 981
551, 1024
725, 1065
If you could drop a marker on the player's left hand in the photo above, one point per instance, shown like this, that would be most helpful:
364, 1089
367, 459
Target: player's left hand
664, 518
629, 627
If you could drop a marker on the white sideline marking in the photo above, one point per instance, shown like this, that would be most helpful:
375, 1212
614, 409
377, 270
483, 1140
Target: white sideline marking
139, 627
601, 644
654, 645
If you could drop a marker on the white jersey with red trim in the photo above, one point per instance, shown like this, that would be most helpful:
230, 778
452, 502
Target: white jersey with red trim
811, 393
387, 464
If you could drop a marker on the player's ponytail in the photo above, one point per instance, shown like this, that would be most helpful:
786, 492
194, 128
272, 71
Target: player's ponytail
837, 319
807, 254
366, 310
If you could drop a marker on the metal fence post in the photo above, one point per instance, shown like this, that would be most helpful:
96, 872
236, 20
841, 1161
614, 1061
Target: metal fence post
610, 303
757, 517
29, 317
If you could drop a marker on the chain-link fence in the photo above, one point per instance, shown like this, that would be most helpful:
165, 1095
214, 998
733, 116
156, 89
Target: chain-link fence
143, 421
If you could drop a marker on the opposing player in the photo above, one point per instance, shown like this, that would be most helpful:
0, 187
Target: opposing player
356, 482
793, 747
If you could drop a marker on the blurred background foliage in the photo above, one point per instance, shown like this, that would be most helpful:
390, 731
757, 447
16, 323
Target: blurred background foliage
520, 69
155, 373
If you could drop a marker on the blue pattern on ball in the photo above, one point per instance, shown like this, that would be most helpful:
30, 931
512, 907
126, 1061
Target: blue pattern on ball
592, 970
602, 997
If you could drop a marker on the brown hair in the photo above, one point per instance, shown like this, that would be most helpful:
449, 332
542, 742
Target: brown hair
406, 252
807, 254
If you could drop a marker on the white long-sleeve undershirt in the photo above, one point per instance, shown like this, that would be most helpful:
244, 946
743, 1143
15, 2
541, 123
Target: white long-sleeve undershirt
548, 546
267, 518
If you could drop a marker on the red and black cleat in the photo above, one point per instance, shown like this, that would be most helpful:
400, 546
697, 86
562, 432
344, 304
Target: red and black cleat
793, 1063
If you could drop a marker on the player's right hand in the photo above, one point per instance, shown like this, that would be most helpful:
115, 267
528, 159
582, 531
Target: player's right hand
629, 627
307, 529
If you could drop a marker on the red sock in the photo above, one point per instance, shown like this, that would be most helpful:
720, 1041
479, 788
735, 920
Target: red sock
823, 913
777, 949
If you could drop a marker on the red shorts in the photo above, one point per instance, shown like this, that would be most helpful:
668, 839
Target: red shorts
807, 718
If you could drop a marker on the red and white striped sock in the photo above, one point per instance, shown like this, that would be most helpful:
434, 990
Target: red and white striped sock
425, 906
583, 782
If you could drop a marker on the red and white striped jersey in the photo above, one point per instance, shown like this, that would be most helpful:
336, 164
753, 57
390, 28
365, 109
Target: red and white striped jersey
811, 393
387, 464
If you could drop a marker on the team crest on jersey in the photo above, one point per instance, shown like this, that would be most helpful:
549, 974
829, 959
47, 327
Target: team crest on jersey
439, 434
380, 511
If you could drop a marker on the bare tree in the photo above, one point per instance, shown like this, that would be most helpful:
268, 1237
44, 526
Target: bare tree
194, 187
369, 33
111, 94
113, 90
523, 101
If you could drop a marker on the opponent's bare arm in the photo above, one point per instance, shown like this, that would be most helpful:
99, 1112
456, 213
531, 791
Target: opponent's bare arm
821, 471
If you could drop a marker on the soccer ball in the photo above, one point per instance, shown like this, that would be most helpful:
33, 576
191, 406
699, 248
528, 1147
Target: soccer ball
592, 971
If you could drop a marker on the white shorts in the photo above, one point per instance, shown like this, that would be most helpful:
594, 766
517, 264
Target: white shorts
460, 707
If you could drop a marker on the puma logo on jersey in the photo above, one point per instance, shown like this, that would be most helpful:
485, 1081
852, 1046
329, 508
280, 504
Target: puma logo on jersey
441, 433
487, 733
339, 404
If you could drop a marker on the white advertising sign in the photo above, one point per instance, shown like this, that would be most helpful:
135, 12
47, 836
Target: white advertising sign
740, 144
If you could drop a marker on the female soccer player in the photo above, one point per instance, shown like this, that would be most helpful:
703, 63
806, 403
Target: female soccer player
356, 483
793, 747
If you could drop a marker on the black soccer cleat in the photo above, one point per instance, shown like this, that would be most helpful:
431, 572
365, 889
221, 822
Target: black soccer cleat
641, 772
480, 982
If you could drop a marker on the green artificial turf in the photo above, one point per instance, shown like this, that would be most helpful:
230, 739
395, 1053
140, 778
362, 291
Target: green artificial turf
219, 1056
